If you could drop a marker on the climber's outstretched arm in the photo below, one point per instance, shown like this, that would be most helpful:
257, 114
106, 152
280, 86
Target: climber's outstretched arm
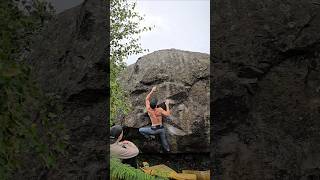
167, 111
149, 96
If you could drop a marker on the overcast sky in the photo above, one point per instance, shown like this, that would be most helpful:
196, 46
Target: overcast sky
180, 24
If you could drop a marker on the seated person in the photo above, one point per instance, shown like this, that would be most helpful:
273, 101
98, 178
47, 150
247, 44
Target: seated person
124, 150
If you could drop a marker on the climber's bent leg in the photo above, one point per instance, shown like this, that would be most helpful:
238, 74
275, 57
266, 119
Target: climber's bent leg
146, 131
164, 141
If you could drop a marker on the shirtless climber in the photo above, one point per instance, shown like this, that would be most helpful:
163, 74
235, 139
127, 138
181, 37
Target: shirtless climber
155, 113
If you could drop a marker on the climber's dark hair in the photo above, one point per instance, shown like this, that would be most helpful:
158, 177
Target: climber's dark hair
153, 102
115, 132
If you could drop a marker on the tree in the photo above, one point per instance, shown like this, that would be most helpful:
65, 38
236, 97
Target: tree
124, 41
29, 124
125, 33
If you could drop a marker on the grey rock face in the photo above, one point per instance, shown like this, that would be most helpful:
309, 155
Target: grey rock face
181, 76
266, 89
70, 59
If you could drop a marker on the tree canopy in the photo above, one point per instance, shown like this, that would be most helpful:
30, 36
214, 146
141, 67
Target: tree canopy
29, 122
125, 33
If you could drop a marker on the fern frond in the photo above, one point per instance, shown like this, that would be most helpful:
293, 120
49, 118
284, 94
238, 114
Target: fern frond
120, 171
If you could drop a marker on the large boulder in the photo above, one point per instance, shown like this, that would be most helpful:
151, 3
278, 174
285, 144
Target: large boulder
181, 76
69, 59
266, 100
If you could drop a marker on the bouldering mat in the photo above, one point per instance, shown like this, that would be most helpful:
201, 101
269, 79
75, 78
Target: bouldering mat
201, 175
165, 171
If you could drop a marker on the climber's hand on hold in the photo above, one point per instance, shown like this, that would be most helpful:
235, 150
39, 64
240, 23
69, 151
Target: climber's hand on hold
154, 88
169, 118
167, 111
167, 102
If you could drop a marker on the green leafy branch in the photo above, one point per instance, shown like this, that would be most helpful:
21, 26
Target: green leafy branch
120, 171
29, 122
124, 41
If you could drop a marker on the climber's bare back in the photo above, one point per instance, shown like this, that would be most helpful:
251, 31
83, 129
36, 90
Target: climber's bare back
155, 116
156, 113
